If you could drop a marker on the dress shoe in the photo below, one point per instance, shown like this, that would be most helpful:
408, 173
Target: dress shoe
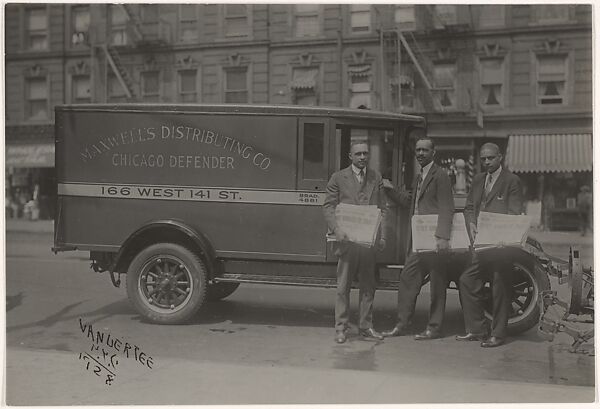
340, 337
396, 332
492, 342
428, 334
471, 337
370, 333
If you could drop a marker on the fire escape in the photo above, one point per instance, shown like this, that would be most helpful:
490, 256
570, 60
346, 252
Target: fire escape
142, 35
409, 69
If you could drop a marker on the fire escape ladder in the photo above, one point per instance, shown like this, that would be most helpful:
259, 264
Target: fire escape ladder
120, 72
136, 24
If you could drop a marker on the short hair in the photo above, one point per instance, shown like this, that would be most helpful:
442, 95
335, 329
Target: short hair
490, 145
358, 142
426, 138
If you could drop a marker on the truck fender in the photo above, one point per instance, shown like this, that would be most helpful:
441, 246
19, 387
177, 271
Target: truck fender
164, 230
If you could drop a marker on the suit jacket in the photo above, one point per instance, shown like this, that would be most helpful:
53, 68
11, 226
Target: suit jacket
435, 198
505, 196
343, 187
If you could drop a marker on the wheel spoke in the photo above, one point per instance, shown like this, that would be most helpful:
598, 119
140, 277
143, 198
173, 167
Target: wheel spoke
519, 303
180, 291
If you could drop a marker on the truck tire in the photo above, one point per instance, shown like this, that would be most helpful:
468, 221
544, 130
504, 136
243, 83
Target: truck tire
528, 280
218, 291
167, 283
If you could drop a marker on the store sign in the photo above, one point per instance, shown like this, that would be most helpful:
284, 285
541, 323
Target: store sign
39, 155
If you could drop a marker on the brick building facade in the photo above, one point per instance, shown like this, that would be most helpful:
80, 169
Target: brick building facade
502, 73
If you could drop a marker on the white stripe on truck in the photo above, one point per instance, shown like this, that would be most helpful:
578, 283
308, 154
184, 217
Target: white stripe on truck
193, 193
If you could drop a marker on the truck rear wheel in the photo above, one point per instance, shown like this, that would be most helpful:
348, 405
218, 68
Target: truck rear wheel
167, 283
218, 291
527, 281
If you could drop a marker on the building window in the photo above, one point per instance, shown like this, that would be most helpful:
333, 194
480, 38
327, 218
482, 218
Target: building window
188, 22
491, 15
81, 90
306, 20
445, 15
404, 17
492, 80
150, 86
304, 86
551, 80
445, 76
116, 92
236, 85
118, 25
360, 86
402, 87
236, 20
188, 84
551, 13
37, 99
80, 24
37, 28
360, 18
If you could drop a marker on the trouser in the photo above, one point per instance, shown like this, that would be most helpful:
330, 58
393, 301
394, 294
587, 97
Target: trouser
411, 279
493, 265
355, 260
585, 221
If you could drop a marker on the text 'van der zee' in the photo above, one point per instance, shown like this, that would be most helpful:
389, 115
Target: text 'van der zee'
174, 133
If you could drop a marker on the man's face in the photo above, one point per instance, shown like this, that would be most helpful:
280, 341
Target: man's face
359, 155
490, 159
424, 152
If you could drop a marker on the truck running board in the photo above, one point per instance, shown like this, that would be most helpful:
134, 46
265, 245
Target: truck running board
292, 280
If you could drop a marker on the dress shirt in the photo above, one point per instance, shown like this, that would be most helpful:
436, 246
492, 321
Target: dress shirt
357, 171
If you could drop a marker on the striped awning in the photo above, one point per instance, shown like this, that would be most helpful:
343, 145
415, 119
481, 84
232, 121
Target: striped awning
549, 153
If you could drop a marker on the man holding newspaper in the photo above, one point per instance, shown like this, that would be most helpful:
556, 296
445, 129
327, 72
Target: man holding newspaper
355, 199
494, 191
431, 197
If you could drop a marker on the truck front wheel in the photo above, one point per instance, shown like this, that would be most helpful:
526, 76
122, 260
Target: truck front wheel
167, 283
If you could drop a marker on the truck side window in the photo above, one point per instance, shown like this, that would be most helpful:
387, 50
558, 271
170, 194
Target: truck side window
312, 163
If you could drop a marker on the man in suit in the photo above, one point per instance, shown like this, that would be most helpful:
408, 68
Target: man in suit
355, 185
496, 191
431, 194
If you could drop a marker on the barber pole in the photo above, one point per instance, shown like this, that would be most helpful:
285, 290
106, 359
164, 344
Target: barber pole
470, 171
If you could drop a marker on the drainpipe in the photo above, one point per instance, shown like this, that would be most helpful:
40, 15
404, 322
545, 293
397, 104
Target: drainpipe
340, 63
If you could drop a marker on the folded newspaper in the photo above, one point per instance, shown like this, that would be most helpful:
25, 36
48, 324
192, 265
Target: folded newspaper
496, 229
359, 222
423, 233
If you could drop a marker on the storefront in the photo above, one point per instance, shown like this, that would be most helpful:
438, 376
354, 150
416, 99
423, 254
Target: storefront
30, 184
553, 169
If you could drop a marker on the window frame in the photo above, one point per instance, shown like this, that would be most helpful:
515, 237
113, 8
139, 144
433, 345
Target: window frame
318, 13
181, 21
306, 183
109, 95
567, 79
351, 13
154, 97
40, 32
454, 87
181, 92
539, 20
27, 88
503, 84
226, 90
406, 25
119, 28
74, 99
500, 22
73, 32
247, 16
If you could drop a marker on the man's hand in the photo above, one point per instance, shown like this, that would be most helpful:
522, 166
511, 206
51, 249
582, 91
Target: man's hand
387, 184
340, 235
442, 244
381, 245
473, 228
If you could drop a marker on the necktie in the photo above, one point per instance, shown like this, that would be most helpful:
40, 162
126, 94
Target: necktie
488, 184
418, 191
361, 176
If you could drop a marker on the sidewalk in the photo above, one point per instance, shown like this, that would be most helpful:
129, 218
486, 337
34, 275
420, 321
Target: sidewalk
29, 226
60, 378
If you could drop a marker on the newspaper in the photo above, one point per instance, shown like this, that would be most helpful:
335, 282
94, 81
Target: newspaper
496, 229
423, 233
359, 222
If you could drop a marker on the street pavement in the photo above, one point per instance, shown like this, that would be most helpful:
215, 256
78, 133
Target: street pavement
264, 344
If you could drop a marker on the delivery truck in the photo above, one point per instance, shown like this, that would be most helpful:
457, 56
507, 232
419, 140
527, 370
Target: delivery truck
189, 201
